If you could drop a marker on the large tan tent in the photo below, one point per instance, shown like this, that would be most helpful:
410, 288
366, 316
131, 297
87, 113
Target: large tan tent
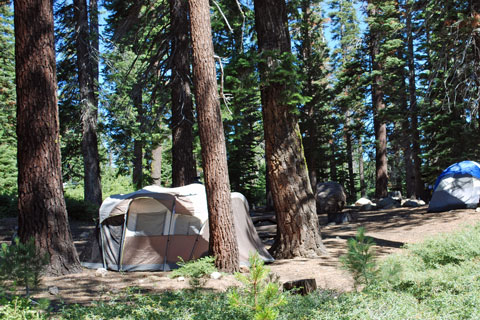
151, 228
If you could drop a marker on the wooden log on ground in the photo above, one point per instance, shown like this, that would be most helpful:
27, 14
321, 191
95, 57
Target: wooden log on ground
303, 286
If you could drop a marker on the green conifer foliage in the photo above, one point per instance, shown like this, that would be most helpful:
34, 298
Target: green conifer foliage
317, 122
68, 94
8, 143
348, 102
451, 86
232, 24
136, 101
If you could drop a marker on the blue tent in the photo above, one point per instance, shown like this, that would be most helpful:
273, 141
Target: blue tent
457, 187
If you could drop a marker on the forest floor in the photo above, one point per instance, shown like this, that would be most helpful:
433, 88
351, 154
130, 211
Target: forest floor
390, 229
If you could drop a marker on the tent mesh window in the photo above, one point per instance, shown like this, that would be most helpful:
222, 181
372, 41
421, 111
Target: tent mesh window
147, 217
187, 225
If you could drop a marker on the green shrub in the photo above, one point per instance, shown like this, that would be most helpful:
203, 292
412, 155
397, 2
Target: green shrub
195, 270
449, 248
22, 264
19, 308
360, 259
260, 297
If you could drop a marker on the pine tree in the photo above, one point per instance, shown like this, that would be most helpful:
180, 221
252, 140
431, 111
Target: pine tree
232, 25
183, 162
41, 205
135, 76
222, 243
316, 120
345, 30
450, 98
288, 177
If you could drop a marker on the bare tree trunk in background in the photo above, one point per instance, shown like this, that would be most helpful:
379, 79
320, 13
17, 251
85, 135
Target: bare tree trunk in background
352, 194
183, 162
309, 128
137, 174
361, 173
87, 80
380, 127
298, 230
419, 185
333, 161
157, 165
223, 241
41, 205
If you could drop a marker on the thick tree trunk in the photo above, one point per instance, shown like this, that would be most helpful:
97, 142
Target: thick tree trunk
223, 241
183, 162
41, 205
380, 126
87, 82
298, 230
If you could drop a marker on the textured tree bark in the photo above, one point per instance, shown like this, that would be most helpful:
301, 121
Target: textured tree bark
87, 82
223, 241
183, 162
380, 127
298, 230
42, 211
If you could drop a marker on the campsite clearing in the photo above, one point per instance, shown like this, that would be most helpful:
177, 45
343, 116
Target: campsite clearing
390, 230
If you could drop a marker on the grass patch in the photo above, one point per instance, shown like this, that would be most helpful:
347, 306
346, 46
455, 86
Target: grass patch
437, 279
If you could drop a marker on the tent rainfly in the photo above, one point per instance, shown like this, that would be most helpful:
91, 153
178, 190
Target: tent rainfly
151, 228
457, 187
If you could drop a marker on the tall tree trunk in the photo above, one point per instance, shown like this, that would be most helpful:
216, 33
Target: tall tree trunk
298, 230
87, 82
361, 173
310, 124
380, 126
333, 161
419, 185
41, 205
137, 175
352, 194
183, 162
223, 241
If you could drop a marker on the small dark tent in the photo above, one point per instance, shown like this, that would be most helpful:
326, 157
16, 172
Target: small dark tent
151, 228
457, 187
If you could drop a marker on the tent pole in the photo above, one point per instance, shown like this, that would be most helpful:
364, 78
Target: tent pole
168, 236
103, 247
196, 240
122, 240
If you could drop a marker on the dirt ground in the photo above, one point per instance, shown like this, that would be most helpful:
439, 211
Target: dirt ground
390, 229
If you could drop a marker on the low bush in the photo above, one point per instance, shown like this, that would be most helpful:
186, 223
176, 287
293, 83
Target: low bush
260, 297
21, 264
360, 259
195, 270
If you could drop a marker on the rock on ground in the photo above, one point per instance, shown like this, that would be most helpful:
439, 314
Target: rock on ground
331, 199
